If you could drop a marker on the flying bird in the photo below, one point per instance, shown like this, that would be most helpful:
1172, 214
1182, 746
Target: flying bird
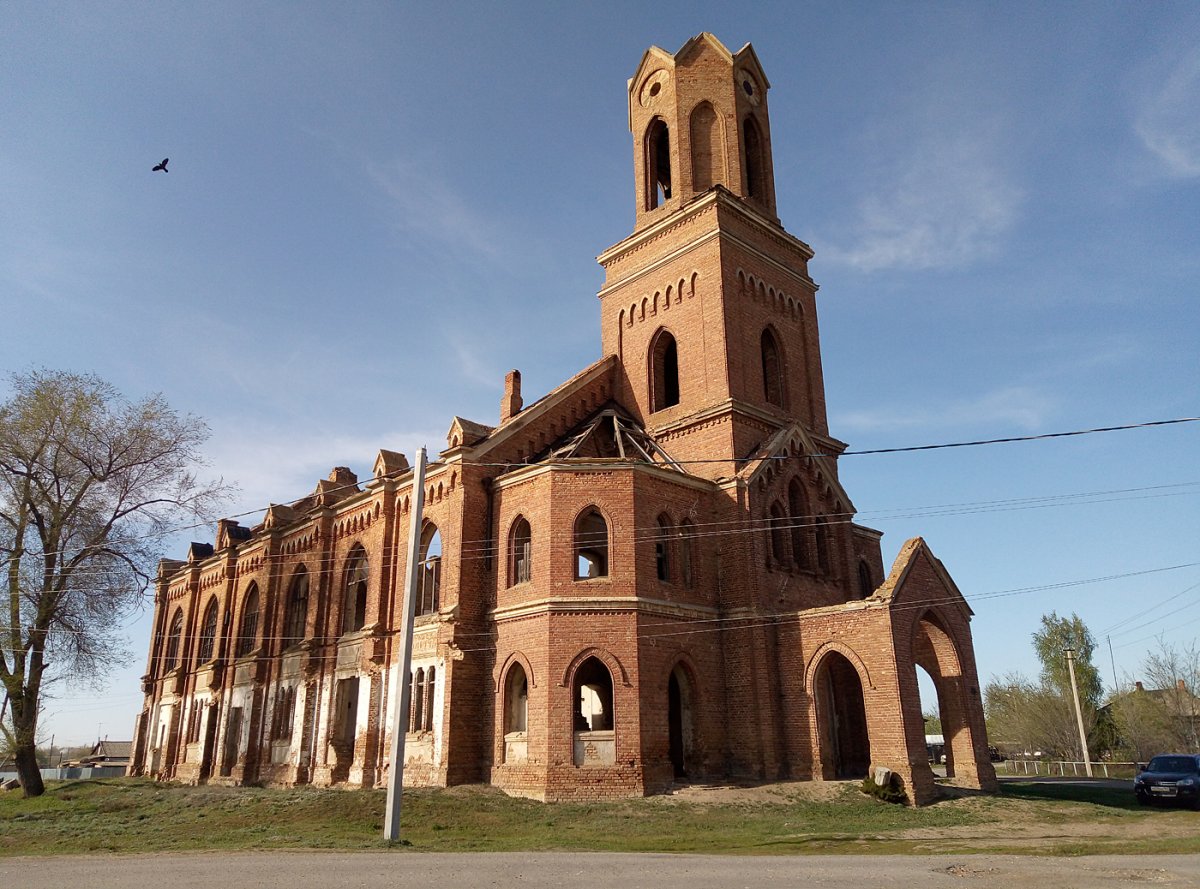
162, 166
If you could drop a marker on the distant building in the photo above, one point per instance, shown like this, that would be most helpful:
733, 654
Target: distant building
650, 575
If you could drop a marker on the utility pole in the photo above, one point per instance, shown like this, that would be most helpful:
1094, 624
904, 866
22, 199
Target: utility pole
1087, 758
391, 819
1113, 660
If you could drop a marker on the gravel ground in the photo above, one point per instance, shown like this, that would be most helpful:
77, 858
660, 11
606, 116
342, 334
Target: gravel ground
368, 870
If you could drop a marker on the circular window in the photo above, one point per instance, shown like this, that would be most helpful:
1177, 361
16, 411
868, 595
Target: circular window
748, 87
655, 89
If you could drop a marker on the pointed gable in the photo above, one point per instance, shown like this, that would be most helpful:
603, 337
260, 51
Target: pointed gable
794, 442
918, 575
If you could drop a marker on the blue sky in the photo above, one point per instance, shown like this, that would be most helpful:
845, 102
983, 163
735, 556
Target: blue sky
375, 210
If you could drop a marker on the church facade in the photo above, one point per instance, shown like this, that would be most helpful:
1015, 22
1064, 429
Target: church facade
650, 575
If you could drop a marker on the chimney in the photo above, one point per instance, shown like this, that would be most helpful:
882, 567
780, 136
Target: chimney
1138, 686
510, 404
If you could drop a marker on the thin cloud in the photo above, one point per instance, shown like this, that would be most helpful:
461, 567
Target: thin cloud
948, 203
1169, 120
1010, 407
271, 465
428, 208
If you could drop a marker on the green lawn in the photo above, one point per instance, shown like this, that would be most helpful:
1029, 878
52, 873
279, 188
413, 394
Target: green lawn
123, 815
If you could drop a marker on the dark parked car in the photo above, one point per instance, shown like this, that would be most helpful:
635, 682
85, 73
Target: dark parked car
1170, 777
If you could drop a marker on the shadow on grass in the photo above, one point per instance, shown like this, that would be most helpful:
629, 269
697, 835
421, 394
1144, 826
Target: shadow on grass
1110, 797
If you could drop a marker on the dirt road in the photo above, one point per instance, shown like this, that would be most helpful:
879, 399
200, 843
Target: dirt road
376, 870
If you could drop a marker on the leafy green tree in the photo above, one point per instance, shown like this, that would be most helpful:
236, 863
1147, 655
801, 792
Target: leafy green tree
1040, 715
89, 482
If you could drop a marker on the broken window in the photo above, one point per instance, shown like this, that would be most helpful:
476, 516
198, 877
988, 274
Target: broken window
516, 700
520, 550
662, 549
593, 694
658, 164
173, 636
591, 545
430, 569
354, 601
664, 371
772, 369
296, 613
208, 633
285, 713
248, 631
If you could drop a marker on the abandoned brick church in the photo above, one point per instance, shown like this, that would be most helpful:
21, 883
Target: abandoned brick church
649, 575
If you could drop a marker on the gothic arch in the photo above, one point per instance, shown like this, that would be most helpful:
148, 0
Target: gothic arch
663, 370
848, 653
657, 153
610, 660
516, 657
838, 699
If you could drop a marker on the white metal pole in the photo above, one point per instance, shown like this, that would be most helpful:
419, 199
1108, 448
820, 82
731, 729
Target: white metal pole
1087, 757
391, 820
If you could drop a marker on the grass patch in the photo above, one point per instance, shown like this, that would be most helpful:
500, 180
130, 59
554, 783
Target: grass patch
134, 815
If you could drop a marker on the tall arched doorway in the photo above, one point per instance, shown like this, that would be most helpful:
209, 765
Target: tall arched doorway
841, 719
935, 652
679, 722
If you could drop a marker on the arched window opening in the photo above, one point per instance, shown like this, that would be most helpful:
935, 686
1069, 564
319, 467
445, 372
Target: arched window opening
801, 523
755, 166
248, 631
591, 546
708, 167
173, 637
687, 555
822, 534
593, 697
296, 612
866, 585
664, 372
354, 599
416, 719
284, 716
778, 525
520, 552
430, 690
208, 633
662, 549
516, 700
772, 369
658, 164
430, 569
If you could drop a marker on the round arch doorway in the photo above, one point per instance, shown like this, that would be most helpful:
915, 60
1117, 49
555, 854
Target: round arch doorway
841, 719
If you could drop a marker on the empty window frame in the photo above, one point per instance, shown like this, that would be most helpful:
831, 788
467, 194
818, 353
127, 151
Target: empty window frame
173, 637
593, 697
591, 545
354, 598
208, 633
248, 629
430, 570
772, 368
284, 716
664, 371
520, 552
295, 617
658, 164
866, 585
421, 697
662, 549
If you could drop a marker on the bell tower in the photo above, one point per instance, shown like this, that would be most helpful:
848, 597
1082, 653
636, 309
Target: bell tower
708, 304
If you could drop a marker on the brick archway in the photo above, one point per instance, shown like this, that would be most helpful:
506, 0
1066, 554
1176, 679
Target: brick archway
843, 741
935, 650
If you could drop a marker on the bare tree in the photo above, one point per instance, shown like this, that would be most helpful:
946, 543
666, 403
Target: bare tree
89, 482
